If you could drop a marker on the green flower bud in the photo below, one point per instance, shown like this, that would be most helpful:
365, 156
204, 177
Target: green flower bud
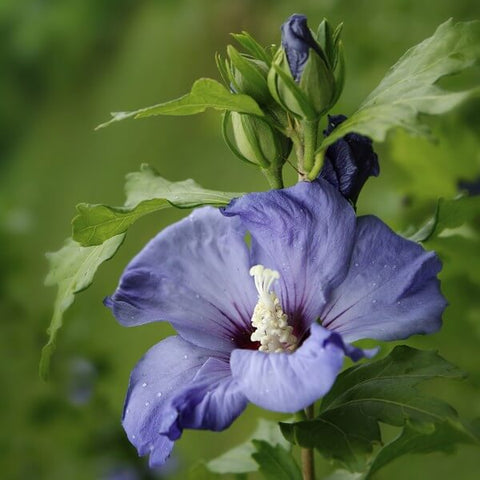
256, 141
301, 78
248, 75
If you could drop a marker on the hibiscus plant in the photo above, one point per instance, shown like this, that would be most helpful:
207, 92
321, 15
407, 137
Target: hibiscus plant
269, 291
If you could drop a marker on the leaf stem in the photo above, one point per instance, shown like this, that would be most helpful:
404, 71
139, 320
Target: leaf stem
308, 463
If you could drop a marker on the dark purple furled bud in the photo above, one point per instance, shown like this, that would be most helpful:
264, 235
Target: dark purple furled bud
297, 40
349, 161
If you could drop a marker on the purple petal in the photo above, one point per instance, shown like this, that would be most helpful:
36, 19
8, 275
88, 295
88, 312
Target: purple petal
194, 274
305, 233
212, 401
297, 40
288, 382
167, 367
349, 161
391, 291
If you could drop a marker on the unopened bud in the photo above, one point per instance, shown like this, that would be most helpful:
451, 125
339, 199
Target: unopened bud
349, 161
301, 78
257, 141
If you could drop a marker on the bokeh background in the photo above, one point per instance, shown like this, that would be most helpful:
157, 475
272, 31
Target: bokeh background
65, 64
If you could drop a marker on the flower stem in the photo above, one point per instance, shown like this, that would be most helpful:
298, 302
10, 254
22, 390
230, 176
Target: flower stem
308, 464
273, 175
310, 132
317, 166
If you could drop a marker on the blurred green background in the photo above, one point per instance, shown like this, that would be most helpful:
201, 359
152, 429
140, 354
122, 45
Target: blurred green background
65, 64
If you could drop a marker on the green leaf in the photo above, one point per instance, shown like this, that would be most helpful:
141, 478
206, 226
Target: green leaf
275, 463
455, 217
434, 437
409, 88
239, 459
205, 93
452, 214
146, 192
72, 269
456, 228
346, 428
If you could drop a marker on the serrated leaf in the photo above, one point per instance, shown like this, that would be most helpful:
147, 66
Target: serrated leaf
346, 428
409, 88
205, 93
275, 463
239, 459
146, 192
438, 437
72, 269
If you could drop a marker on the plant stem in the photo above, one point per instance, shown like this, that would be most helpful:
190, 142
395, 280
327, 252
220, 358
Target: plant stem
317, 166
298, 146
273, 175
308, 464
310, 132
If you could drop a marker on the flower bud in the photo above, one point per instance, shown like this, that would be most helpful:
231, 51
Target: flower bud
301, 78
248, 76
257, 142
349, 161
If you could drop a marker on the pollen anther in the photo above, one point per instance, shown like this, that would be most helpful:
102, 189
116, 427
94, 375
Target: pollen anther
270, 321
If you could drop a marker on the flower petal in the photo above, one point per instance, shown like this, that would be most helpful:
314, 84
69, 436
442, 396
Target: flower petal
166, 367
288, 382
212, 401
349, 161
195, 275
391, 290
297, 40
305, 233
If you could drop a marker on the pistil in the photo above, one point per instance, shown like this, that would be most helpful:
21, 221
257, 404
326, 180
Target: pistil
271, 323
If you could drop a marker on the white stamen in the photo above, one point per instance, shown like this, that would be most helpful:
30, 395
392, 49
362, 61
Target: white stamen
269, 320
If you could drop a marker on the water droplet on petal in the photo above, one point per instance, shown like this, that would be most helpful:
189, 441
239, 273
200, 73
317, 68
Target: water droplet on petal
185, 357
147, 404
159, 394
144, 384
374, 301
356, 264
134, 437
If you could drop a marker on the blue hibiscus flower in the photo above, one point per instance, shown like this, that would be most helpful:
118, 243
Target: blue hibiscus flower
269, 322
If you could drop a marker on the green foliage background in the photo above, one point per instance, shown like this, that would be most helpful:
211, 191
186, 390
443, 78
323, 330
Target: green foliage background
67, 63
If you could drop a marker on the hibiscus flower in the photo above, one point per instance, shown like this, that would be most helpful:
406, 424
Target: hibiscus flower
266, 297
